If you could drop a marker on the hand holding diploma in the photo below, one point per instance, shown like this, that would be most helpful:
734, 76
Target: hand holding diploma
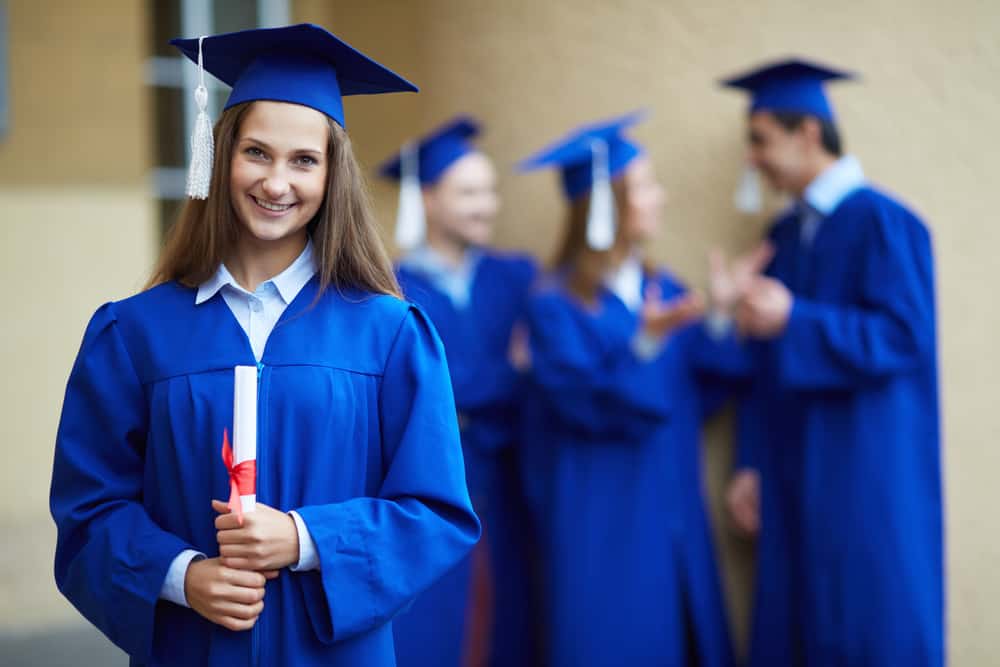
266, 540
226, 596
252, 536
241, 460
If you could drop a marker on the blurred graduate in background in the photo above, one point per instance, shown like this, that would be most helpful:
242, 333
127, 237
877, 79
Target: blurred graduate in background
630, 573
475, 296
835, 348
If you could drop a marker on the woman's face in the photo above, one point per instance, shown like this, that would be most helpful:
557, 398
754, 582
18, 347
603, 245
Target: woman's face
644, 200
464, 203
279, 168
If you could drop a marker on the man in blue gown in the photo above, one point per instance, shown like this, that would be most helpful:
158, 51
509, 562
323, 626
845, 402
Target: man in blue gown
835, 345
475, 297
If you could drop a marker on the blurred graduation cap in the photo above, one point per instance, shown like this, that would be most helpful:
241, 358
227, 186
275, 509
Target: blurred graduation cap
301, 64
791, 85
588, 159
420, 163
435, 152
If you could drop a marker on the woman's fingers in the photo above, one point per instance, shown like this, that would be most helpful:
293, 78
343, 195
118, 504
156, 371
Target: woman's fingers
244, 578
235, 624
241, 596
238, 610
220, 506
241, 563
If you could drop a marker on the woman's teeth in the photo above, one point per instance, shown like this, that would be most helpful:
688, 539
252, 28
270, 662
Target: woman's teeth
272, 207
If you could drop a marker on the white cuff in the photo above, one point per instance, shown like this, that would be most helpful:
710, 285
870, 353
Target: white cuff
646, 347
308, 556
718, 324
173, 585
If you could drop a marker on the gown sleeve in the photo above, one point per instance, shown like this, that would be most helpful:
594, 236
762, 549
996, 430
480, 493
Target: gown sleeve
596, 384
111, 557
889, 331
486, 383
377, 553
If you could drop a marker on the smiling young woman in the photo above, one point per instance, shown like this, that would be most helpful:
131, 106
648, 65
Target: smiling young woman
359, 484
319, 175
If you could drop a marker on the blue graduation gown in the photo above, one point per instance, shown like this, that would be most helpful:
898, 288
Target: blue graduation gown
487, 392
842, 423
630, 572
356, 431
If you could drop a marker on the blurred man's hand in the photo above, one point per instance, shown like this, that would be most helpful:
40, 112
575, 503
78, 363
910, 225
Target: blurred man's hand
765, 309
743, 501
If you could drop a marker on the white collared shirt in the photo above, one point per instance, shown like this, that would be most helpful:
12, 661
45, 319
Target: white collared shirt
625, 282
827, 191
454, 281
257, 313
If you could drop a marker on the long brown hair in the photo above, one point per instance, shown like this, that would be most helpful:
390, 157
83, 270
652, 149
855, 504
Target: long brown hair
585, 268
349, 250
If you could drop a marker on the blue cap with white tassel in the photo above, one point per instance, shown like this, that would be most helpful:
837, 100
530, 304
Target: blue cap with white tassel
299, 64
421, 164
589, 158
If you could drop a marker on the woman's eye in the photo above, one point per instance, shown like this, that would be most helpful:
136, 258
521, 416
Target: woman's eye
254, 152
306, 161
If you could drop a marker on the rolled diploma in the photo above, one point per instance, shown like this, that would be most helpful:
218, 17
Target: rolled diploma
245, 424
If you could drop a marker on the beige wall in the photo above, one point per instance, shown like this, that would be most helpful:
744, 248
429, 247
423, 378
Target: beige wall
76, 229
923, 121
77, 224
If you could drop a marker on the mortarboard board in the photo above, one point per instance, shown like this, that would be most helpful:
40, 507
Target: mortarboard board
301, 64
789, 85
588, 158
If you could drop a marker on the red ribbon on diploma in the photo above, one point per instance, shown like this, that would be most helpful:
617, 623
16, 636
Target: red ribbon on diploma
242, 478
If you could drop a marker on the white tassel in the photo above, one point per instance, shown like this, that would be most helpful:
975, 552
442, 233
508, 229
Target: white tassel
410, 222
202, 143
601, 217
749, 197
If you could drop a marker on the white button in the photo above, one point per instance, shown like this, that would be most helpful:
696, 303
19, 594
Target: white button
256, 305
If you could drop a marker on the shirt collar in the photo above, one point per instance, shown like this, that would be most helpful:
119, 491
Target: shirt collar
455, 281
428, 261
625, 282
288, 283
831, 187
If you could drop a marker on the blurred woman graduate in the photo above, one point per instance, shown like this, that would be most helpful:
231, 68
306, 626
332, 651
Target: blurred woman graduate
475, 296
360, 487
630, 568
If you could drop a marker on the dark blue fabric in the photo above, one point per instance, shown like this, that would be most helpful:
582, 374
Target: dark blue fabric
356, 432
302, 64
630, 571
488, 392
842, 423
